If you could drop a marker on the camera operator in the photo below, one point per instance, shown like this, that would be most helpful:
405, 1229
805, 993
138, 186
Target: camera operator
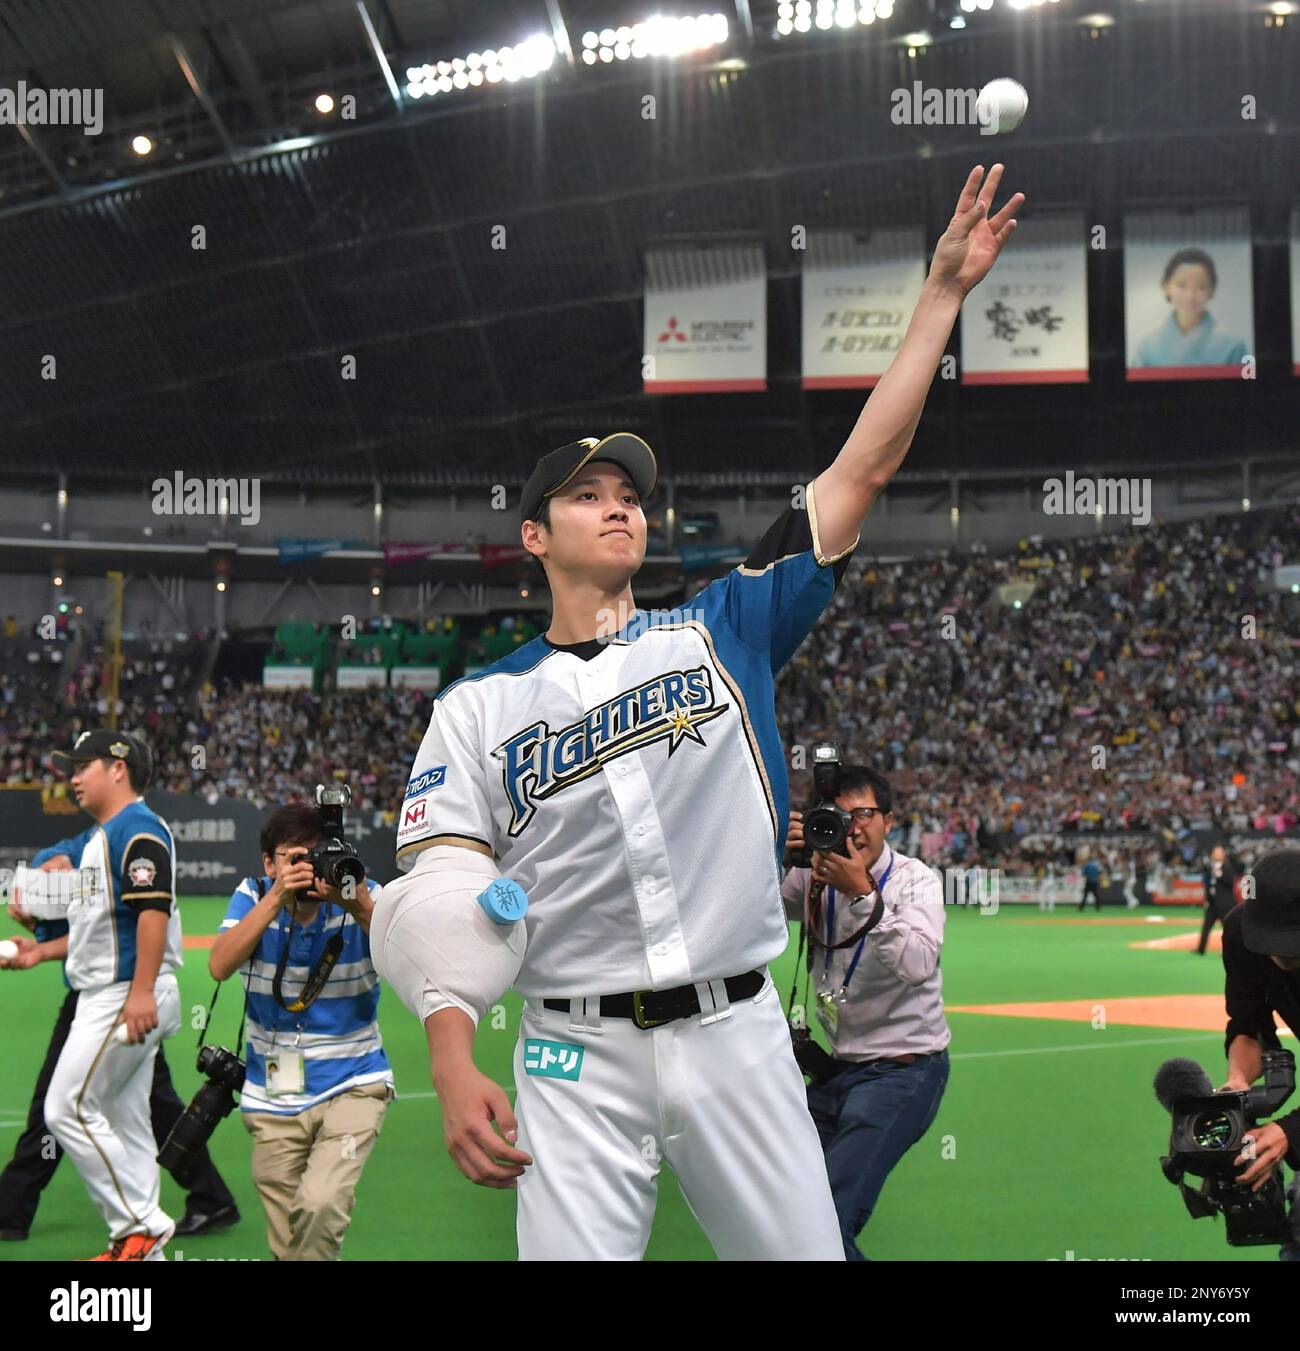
318, 1080
1261, 959
878, 999
1219, 876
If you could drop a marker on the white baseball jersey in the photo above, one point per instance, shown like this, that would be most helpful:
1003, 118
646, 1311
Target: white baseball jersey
126, 865
635, 787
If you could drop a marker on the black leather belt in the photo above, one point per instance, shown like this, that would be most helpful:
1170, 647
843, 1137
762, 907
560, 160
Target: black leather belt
654, 1008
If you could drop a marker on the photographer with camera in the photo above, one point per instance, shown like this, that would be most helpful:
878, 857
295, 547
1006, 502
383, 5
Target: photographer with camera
318, 1082
874, 921
1261, 960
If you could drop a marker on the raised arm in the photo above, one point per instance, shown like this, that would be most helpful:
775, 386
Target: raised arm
884, 430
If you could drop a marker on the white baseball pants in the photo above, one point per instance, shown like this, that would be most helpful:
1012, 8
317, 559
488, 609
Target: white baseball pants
718, 1098
97, 1107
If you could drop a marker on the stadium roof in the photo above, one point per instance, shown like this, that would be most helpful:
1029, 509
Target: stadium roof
372, 237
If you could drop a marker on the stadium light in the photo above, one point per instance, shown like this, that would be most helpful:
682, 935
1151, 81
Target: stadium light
142, 145
324, 104
221, 586
57, 580
524, 61
374, 590
660, 36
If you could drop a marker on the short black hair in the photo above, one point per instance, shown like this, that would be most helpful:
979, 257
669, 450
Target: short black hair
143, 777
137, 778
295, 824
856, 778
1185, 257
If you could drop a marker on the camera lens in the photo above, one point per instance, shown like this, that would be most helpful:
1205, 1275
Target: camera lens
1213, 1130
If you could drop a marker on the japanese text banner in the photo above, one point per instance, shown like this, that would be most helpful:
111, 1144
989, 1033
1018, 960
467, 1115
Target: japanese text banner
859, 290
1027, 322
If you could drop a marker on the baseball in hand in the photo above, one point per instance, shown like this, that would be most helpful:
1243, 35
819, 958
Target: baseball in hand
8, 950
120, 1034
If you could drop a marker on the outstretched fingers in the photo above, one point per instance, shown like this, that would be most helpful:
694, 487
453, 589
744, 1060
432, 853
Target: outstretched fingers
999, 222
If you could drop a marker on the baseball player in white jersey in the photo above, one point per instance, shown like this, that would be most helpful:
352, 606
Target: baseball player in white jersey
624, 771
123, 950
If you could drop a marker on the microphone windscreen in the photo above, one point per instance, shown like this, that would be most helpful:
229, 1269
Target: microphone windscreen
1181, 1078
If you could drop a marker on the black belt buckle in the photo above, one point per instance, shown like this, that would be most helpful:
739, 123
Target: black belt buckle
638, 1012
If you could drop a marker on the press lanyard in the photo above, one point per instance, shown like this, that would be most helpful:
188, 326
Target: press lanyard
862, 942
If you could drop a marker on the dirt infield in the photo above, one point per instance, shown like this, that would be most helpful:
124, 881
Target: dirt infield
1181, 943
1191, 1012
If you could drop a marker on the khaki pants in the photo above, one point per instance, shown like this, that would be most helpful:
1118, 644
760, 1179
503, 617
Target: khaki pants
306, 1168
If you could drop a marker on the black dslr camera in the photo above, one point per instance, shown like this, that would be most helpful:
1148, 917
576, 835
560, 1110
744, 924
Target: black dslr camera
224, 1072
334, 860
1208, 1133
825, 826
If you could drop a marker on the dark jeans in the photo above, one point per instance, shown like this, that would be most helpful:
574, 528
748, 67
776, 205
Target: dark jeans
868, 1117
1211, 914
1094, 890
37, 1153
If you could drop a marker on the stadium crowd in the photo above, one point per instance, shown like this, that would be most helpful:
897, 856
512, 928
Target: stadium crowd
1145, 684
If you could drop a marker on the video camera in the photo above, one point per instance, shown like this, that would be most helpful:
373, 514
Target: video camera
1209, 1131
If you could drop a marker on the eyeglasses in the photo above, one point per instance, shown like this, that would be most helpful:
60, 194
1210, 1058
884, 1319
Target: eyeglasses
865, 815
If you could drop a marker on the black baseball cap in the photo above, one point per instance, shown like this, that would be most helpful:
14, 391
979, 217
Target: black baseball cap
553, 471
104, 743
1270, 920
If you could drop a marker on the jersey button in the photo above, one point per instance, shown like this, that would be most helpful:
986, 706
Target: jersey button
640, 830
661, 950
651, 887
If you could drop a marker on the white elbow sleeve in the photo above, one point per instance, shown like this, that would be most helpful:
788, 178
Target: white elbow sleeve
433, 941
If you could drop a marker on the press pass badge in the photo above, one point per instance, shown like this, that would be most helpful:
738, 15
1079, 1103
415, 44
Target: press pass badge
284, 1074
829, 1004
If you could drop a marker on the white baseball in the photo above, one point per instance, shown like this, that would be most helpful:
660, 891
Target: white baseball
1001, 106
8, 949
121, 1033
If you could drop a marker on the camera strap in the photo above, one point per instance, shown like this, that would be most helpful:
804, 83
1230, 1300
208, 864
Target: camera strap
212, 1008
319, 973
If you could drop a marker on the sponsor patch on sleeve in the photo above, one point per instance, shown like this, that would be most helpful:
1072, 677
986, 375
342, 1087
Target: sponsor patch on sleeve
414, 821
430, 779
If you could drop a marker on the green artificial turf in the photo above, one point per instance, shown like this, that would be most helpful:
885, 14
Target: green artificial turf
1047, 1142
